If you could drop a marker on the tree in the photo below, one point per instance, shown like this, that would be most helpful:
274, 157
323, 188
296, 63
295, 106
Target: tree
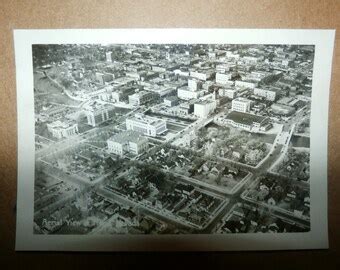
218, 179
120, 182
47, 54
253, 156
66, 82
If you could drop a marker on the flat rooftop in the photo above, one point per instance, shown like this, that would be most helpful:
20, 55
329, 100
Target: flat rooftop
241, 99
95, 106
245, 118
61, 125
140, 94
128, 136
146, 119
204, 102
171, 98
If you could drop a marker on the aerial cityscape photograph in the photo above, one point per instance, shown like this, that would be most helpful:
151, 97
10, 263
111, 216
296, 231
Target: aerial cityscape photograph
172, 138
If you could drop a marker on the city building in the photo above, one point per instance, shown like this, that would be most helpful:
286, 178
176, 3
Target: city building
223, 78
159, 90
203, 108
123, 81
98, 113
182, 72
103, 78
171, 101
102, 93
148, 75
184, 189
202, 74
126, 217
249, 122
232, 55
241, 105
61, 129
222, 68
122, 93
226, 92
282, 109
128, 141
140, 98
185, 108
108, 57
135, 75
246, 84
51, 111
251, 60
186, 94
146, 125
158, 68
194, 84
268, 93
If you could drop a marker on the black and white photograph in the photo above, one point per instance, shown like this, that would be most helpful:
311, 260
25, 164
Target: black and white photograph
173, 138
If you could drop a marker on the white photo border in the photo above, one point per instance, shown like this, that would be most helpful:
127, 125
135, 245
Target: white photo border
316, 238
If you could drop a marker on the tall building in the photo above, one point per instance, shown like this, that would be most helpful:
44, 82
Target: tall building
223, 78
128, 141
222, 68
146, 125
202, 74
140, 98
102, 78
98, 113
62, 129
246, 84
230, 93
171, 101
194, 85
121, 94
109, 57
186, 94
269, 94
203, 108
241, 105
185, 108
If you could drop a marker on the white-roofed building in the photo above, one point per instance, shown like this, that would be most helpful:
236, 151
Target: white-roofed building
146, 125
127, 142
140, 98
241, 105
62, 129
267, 93
186, 94
194, 84
223, 78
98, 113
203, 108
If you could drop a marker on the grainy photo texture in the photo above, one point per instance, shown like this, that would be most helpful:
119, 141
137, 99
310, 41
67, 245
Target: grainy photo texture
172, 138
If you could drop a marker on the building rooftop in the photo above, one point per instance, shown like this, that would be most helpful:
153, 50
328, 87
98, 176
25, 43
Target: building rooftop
146, 119
172, 98
128, 136
204, 102
128, 214
269, 88
140, 94
241, 99
245, 118
95, 106
61, 125
204, 70
188, 188
247, 81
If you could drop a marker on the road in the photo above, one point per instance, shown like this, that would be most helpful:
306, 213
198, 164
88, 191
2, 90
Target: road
127, 202
278, 150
